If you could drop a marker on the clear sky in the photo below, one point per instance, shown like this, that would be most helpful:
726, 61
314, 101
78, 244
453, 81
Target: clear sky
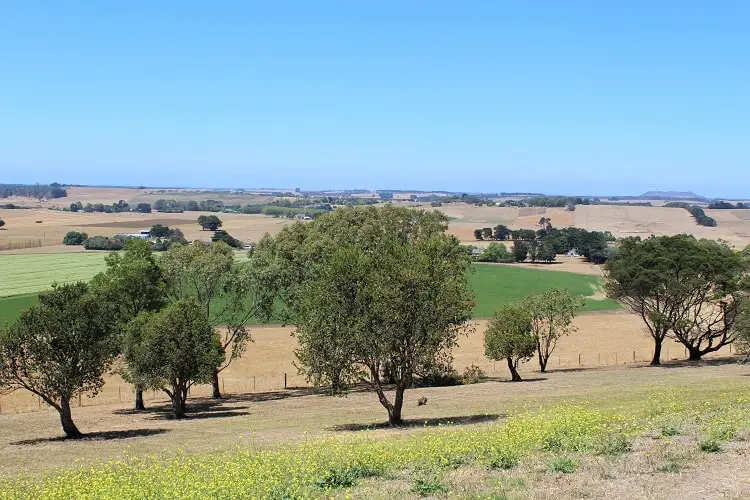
560, 97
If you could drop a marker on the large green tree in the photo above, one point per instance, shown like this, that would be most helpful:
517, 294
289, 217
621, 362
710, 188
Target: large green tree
552, 314
134, 283
376, 294
209, 222
509, 336
680, 287
60, 348
230, 294
173, 349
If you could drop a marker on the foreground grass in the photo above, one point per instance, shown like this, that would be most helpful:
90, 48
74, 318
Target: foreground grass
561, 436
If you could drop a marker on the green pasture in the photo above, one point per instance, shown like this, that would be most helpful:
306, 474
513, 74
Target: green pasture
495, 285
30, 273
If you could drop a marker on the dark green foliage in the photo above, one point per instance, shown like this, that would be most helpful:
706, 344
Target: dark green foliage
74, 238
700, 216
159, 231
376, 293
496, 252
2, 222
104, 243
173, 349
689, 289
502, 232
509, 336
478, 235
143, 208
520, 250
60, 348
345, 477
209, 222
221, 235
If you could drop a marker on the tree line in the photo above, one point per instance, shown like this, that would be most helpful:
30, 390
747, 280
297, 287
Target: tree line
724, 205
697, 212
38, 191
544, 243
117, 207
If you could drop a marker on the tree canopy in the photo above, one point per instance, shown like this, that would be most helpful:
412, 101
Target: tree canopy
60, 348
509, 336
376, 294
209, 222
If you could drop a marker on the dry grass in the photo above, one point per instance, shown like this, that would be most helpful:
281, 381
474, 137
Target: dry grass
22, 225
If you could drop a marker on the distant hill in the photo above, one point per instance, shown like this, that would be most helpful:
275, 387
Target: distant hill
671, 195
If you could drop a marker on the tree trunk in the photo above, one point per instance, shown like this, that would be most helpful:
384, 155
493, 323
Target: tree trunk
394, 413
139, 406
66, 419
514, 376
694, 354
216, 392
178, 406
542, 358
656, 361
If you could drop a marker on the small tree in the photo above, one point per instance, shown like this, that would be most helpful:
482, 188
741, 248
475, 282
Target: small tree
134, 284
159, 231
508, 336
209, 222
478, 234
502, 232
520, 250
229, 294
545, 251
496, 252
552, 314
487, 233
74, 238
143, 208
60, 349
221, 235
173, 349
2, 222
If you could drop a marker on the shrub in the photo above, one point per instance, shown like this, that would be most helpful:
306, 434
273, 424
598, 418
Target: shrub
669, 430
496, 252
564, 465
104, 243
74, 238
615, 444
428, 483
502, 459
710, 445
344, 477
472, 374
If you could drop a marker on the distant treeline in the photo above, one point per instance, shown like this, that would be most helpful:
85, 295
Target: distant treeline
277, 208
723, 205
592, 245
120, 206
38, 191
700, 216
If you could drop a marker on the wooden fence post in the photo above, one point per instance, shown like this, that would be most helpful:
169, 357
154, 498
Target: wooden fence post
284, 380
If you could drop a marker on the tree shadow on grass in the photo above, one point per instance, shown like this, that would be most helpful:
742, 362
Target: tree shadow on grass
416, 423
196, 409
685, 363
508, 380
95, 436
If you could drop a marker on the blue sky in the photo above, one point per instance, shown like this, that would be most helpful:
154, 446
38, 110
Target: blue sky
559, 97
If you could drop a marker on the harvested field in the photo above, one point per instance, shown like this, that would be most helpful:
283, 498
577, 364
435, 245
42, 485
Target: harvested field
21, 225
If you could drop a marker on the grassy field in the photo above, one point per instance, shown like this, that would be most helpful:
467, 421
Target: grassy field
30, 273
494, 285
614, 444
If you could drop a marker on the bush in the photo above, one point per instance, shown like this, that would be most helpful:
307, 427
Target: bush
710, 445
615, 444
564, 465
473, 374
428, 483
74, 238
496, 252
104, 243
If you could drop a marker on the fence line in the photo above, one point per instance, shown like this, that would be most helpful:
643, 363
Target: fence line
117, 391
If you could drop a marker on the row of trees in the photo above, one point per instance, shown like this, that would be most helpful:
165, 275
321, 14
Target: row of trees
697, 212
39, 191
547, 241
155, 322
120, 206
724, 205
692, 291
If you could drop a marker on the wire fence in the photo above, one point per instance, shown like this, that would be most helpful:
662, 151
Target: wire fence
118, 392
